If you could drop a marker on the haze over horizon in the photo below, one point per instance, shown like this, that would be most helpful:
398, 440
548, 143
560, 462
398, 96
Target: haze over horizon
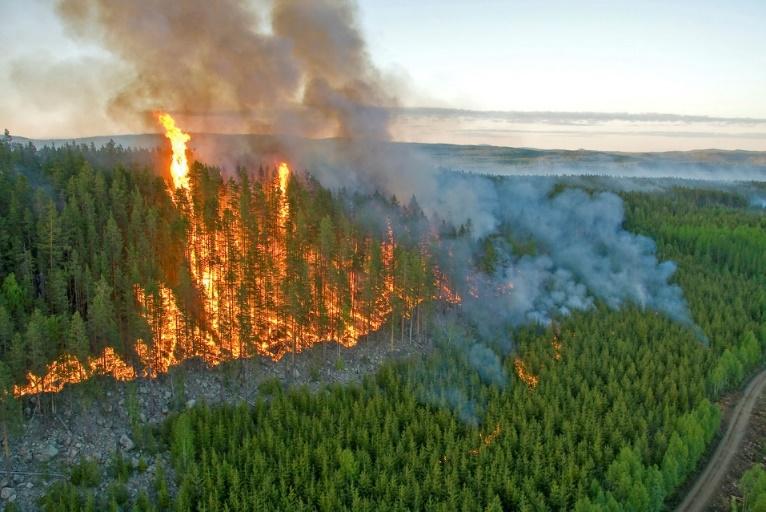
515, 79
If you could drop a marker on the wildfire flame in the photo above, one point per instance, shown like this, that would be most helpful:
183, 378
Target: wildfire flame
444, 291
556, 344
486, 440
527, 377
179, 165
69, 370
284, 174
176, 336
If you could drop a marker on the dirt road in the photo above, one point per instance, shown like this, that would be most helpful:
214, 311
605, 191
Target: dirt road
709, 481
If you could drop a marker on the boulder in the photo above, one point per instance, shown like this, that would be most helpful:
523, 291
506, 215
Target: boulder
7, 493
47, 453
126, 443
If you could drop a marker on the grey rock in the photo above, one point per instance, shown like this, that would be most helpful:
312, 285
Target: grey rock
47, 453
191, 403
126, 443
7, 493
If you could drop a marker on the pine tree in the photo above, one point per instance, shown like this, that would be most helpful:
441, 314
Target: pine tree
6, 331
9, 411
77, 343
101, 318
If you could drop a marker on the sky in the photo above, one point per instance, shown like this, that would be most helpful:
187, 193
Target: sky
517, 73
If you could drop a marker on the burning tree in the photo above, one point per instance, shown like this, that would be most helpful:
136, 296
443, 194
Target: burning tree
264, 268
258, 264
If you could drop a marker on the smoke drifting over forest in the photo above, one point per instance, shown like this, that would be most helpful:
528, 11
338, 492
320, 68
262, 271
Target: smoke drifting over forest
310, 74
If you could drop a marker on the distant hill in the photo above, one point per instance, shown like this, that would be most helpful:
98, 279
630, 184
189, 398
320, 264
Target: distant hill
233, 149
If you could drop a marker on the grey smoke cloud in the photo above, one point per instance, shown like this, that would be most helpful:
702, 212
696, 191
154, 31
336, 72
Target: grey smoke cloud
309, 72
467, 364
487, 364
582, 253
583, 235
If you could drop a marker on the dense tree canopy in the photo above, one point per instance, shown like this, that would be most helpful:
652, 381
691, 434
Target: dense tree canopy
605, 410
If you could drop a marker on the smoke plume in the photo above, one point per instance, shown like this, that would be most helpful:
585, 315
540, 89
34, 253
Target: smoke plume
308, 73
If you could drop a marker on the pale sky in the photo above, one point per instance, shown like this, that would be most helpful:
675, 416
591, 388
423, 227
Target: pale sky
684, 57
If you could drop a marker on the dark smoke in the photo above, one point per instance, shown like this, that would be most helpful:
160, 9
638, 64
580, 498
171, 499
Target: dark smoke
309, 75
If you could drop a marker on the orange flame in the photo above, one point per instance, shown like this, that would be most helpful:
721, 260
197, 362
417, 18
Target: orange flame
179, 165
284, 174
486, 440
69, 370
443, 289
177, 336
556, 344
525, 375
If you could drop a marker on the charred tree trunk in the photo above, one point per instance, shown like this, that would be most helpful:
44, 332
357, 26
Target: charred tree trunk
412, 321
392, 331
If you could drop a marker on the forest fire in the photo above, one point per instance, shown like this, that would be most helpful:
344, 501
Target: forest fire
556, 344
69, 370
179, 165
256, 278
486, 440
527, 377
444, 290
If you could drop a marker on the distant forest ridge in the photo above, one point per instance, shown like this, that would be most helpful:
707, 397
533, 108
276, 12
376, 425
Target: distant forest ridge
706, 165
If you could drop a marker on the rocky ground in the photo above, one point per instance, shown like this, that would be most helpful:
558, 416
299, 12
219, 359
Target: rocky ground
92, 421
